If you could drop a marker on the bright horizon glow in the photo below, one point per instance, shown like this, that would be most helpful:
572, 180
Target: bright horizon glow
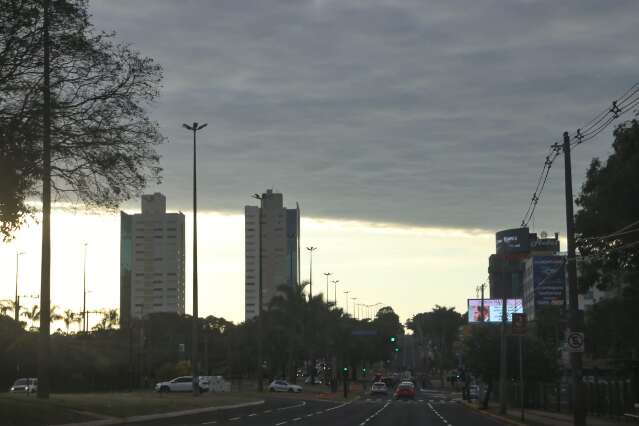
409, 268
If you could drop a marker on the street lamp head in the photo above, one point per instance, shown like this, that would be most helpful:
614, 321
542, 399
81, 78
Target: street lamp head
257, 196
186, 126
311, 248
202, 126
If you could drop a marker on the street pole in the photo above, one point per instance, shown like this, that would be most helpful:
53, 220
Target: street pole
346, 293
45, 266
195, 334
84, 291
335, 291
327, 274
310, 279
16, 304
579, 413
521, 376
482, 302
503, 368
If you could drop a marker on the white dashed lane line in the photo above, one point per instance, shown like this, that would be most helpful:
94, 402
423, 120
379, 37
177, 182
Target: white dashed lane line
372, 416
281, 423
438, 415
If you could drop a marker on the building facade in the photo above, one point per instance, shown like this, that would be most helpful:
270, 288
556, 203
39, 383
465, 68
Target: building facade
151, 260
277, 230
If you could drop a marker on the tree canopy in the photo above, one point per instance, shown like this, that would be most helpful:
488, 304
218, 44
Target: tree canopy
102, 139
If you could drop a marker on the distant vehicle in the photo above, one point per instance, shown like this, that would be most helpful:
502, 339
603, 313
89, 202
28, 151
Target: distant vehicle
405, 390
182, 384
379, 388
283, 386
28, 385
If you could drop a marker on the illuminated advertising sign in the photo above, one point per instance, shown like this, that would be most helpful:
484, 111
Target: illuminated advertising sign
492, 309
512, 241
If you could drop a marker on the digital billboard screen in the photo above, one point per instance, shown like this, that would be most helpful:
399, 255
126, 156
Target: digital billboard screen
512, 241
492, 309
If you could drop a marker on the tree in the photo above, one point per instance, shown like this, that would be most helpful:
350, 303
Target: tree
98, 143
438, 330
69, 317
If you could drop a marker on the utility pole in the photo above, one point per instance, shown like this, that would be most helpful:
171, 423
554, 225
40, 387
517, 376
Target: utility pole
195, 332
310, 279
575, 323
327, 274
346, 293
85, 322
503, 368
45, 270
16, 303
482, 301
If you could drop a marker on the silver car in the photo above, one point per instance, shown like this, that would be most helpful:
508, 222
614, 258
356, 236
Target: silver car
28, 385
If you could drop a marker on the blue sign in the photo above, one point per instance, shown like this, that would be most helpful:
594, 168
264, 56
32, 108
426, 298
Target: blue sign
549, 279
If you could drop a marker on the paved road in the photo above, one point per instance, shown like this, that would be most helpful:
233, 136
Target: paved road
429, 408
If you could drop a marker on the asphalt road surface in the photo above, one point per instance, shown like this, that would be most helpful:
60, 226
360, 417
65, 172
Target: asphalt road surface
429, 408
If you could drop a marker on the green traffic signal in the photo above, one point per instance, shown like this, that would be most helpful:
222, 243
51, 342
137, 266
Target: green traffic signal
393, 339
345, 369
396, 349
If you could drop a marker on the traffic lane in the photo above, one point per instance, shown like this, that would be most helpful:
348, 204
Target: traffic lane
459, 414
403, 413
348, 414
270, 412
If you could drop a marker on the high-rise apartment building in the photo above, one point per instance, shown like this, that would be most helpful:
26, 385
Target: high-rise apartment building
151, 260
278, 231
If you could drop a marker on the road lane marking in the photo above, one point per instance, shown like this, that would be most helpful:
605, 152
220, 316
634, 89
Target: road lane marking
297, 419
439, 415
268, 411
209, 423
281, 423
372, 416
292, 406
234, 418
319, 412
252, 415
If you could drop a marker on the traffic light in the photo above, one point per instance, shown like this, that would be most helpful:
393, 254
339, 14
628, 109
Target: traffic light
393, 339
364, 371
345, 372
396, 348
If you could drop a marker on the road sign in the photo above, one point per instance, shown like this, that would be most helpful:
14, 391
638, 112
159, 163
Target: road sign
575, 341
519, 325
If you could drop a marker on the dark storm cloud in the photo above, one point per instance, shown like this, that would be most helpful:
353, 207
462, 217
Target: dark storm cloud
431, 113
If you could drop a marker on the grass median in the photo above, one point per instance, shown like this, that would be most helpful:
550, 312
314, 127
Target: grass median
21, 410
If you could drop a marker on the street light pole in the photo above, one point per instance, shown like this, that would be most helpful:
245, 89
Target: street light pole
327, 274
16, 306
310, 281
346, 293
354, 307
84, 291
194, 340
335, 291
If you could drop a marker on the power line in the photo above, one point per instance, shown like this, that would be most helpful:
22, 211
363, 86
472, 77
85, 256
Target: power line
622, 231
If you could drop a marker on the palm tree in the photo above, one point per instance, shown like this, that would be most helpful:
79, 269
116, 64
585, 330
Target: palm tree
5, 307
32, 314
54, 315
109, 320
69, 317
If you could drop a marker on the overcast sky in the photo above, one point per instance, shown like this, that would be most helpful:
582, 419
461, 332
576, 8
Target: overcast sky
433, 116
435, 113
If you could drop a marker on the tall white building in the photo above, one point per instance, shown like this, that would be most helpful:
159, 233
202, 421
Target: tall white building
279, 228
151, 260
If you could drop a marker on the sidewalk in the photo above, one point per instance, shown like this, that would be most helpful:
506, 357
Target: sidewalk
540, 417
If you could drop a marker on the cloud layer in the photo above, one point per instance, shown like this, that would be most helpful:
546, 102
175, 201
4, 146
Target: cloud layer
430, 113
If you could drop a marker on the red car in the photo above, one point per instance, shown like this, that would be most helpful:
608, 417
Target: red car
405, 390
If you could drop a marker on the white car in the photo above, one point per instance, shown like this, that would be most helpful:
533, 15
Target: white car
28, 385
283, 386
379, 388
182, 384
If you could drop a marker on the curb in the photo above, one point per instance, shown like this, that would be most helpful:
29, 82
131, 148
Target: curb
148, 417
494, 416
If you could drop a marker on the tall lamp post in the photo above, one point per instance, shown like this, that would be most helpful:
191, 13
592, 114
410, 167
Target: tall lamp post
335, 291
354, 299
16, 306
85, 323
327, 274
346, 293
194, 340
310, 281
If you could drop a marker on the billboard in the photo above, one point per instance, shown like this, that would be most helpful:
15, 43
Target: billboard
549, 279
492, 309
512, 241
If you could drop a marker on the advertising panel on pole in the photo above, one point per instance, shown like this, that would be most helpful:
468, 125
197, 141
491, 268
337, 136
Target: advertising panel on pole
492, 309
